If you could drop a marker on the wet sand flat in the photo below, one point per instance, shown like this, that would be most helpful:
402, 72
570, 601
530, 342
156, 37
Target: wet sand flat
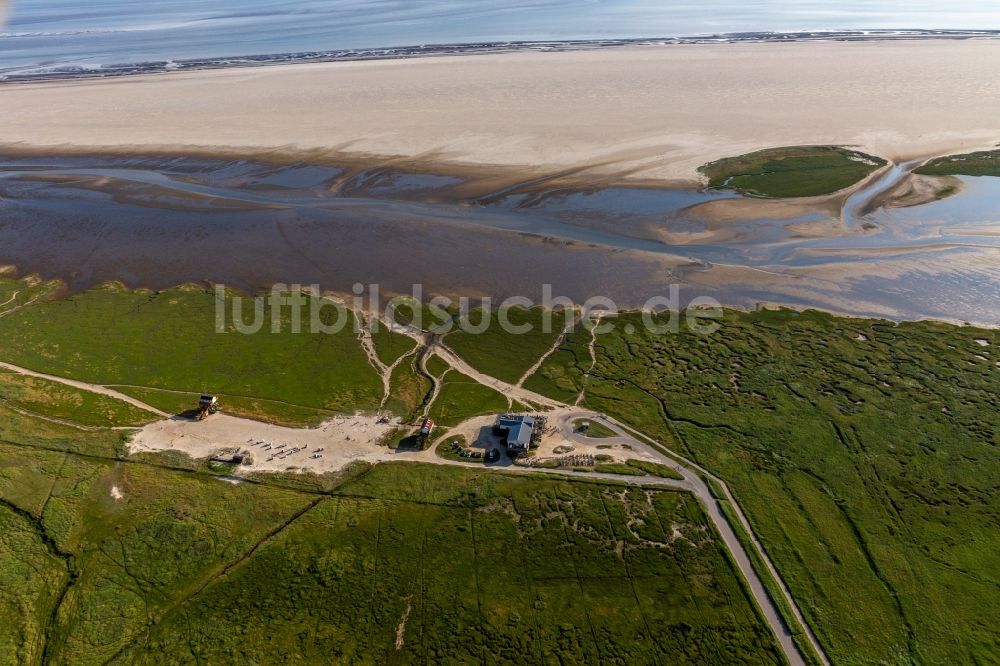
160, 220
653, 112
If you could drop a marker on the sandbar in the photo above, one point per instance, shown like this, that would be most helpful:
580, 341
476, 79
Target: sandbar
651, 112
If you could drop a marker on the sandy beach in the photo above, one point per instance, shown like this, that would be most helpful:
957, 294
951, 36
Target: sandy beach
651, 112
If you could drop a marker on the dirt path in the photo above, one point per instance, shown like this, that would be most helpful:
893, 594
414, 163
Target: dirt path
368, 346
593, 357
438, 347
18, 307
534, 368
93, 388
11, 298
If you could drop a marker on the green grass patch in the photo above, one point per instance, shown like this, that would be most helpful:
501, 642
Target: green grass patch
618, 468
798, 171
507, 356
167, 340
407, 311
20, 292
866, 466
437, 366
462, 397
60, 401
655, 469
714, 487
20, 428
391, 346
408, 389
138, 540
983, 163
32, 576
560, 376
418, 564
592, 428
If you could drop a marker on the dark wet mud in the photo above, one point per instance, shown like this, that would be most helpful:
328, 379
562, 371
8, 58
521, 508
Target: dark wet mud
157, 221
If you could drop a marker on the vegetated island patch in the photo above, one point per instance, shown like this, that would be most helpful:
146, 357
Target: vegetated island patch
794, 171
982, 163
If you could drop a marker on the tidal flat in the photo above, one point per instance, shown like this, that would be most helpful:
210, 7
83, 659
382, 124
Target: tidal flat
158, 220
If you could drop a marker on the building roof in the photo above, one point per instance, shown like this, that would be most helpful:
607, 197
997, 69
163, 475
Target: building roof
518, 430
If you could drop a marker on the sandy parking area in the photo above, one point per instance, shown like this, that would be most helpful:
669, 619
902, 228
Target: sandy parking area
343, 439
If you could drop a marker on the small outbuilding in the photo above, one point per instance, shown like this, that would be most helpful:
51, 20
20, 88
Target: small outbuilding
207, 404
426, 428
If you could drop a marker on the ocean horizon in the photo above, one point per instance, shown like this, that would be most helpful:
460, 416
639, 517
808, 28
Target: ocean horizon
53, 35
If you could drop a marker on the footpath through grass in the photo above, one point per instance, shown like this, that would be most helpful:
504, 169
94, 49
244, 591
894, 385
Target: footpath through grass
505, 355
58, 401
797, 171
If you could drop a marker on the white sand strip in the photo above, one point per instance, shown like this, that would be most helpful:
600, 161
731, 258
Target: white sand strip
667, 109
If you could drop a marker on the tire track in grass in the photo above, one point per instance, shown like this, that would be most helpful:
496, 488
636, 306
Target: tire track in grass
371, 600
628, 573
563, 519
222, 573
475, 575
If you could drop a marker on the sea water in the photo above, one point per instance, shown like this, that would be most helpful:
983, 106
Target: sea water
45, 34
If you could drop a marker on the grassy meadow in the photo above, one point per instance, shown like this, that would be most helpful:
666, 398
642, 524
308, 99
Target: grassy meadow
414, 564
863, 452
106, 560
496, 353
462, 397
593, 429
58, 401
168, 341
